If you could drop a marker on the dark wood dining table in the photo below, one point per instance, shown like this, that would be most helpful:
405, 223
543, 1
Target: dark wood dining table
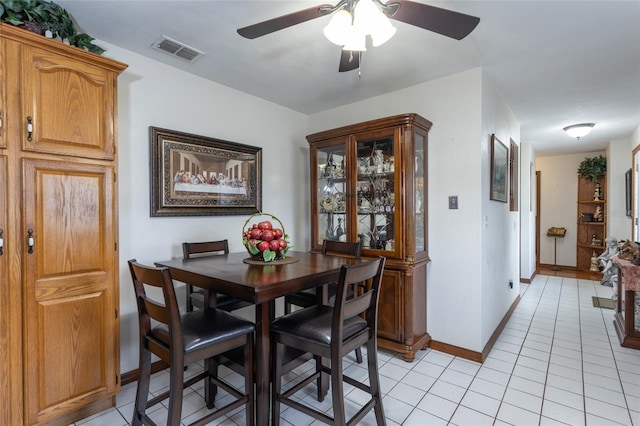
260, 284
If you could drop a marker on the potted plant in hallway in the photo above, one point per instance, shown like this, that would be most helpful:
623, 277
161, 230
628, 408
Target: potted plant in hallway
591, 168
40, 16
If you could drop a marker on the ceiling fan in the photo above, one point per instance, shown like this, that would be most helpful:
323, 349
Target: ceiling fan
442, 21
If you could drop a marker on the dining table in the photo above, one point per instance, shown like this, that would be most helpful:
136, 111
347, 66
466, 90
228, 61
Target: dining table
260, 283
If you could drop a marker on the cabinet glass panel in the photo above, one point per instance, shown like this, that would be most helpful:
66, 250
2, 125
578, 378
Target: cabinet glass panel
420, 192
331, 194
375, 190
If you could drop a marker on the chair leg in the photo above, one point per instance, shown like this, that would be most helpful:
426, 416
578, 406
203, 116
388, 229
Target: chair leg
188, 291
210, 389
248, 380
276, 368
287, 306
374, 381
176, 379
337, 392
359, 355
142, 392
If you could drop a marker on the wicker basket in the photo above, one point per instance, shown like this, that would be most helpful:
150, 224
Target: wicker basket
267, 255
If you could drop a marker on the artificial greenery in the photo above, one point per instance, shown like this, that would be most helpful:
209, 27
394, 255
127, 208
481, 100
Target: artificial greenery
49, 16
591, 168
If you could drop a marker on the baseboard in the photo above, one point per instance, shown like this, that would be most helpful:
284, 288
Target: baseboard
133, 375
528, 280
473, 355
456, 351
499, 329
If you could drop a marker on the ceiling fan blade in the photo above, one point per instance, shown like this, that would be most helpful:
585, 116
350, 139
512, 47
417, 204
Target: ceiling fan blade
442, 21
349, 60
284, 21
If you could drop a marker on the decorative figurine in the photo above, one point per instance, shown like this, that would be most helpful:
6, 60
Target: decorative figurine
597, 193
597, 215
594, 263
609, 275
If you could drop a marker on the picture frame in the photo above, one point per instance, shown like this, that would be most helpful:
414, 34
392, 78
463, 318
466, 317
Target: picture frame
499, 170
194, 175
627, 192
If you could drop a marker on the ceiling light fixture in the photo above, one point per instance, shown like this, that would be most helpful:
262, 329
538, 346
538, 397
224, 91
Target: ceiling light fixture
579, 130
350, 31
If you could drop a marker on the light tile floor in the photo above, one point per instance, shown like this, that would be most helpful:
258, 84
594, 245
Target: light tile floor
557, 362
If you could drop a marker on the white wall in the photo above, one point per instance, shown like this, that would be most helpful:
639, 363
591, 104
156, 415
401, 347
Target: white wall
527, 211
558, 205
500, 230
619, 160
457, 156
153, 94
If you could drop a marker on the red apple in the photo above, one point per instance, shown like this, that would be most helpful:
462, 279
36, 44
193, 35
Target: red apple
274, 245
265, 225
263, 245
278, 233
254, 226
267, 235
256, 233
282, 243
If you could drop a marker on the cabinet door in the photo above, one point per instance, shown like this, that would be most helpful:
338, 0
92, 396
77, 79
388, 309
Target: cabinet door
378, 192
331, 200
67, 106
391, 306
70, 300
4, 302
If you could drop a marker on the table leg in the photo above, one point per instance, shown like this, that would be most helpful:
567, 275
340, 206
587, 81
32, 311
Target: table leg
264, 315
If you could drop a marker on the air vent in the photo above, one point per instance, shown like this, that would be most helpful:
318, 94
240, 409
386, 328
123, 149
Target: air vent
175, 48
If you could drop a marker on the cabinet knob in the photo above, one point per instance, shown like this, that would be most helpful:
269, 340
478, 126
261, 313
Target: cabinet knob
1, 241
29, 128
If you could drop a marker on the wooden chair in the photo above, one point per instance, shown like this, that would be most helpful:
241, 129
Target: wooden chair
180, 340
196, 297
313, 296
332, 332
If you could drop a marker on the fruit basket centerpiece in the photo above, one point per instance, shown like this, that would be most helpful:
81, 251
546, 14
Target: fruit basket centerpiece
264, 242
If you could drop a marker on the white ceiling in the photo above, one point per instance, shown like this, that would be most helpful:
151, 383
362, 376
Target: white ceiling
555, 62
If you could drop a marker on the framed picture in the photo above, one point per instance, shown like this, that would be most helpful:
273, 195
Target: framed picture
627, 192
499, 168
199, 176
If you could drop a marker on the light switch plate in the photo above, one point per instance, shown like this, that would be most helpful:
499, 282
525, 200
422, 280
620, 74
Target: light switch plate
453, 202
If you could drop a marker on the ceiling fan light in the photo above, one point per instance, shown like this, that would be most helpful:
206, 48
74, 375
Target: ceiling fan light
357, 41
382, 34
339, 28
579, 130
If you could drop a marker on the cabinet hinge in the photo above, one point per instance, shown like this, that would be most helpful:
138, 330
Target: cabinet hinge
115, 246
115, 177
116, 311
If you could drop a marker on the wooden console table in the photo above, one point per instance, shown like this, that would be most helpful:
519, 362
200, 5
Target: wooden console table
626, 315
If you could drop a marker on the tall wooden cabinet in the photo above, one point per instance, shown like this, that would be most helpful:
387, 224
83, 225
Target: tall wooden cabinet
59, 323
592, 221
369, 183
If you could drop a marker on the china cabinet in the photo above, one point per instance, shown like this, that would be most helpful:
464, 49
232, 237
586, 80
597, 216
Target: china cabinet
59, 320
369, 184
627, 317
592, 222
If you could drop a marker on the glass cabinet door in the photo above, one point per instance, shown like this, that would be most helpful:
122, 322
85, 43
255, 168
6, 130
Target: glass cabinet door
376, 189
331, 193
420, 191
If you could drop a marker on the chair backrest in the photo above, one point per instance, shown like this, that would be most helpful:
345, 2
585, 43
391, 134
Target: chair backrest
204, 248
165, 312
340, 248
355, 304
